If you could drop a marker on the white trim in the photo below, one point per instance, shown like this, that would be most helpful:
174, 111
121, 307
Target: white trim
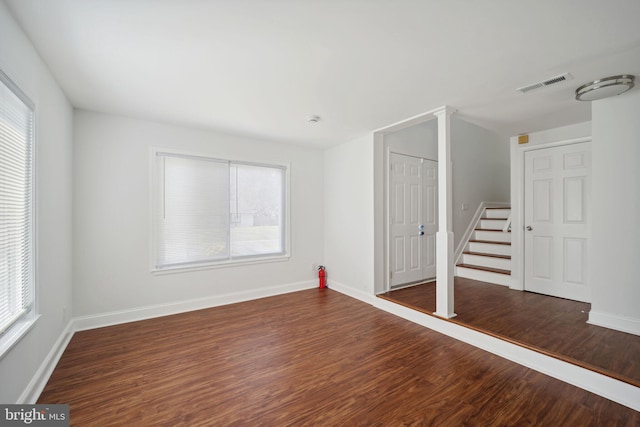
415, 120
18, 330
445, 261
602, 385
41, 377
352, 292
621, 323
221, 264
149, 312
387, 216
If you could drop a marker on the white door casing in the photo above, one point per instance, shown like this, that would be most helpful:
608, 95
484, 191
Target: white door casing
412, 218
556, 221
430, 216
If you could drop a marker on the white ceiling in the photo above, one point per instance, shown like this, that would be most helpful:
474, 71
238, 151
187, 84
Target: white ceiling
260, 67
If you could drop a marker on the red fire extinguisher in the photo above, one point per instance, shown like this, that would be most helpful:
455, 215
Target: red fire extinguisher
322, 276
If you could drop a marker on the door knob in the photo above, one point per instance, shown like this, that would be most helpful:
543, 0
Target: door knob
529, 228
421, 233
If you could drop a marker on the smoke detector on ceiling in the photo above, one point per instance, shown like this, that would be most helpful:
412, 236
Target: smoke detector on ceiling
544, 83
313, 119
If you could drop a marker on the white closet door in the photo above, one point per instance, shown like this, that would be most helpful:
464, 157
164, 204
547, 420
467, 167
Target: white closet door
557, 218
413, 219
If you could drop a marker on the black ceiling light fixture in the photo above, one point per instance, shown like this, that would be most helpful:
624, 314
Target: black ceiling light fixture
604, 88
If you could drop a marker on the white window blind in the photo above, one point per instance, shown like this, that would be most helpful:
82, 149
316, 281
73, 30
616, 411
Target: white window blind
16, 191
212, 210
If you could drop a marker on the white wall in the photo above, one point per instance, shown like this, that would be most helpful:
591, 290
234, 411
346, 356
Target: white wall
616, 212
480, 171
419, 140
112, 215
53, 154
349, 213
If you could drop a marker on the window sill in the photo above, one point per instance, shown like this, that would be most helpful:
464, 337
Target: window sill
16, 333
220, 264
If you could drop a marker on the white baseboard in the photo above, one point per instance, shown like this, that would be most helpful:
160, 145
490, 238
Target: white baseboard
352, 292
142, 313
41, 377
39, 380
602, 385
629, 325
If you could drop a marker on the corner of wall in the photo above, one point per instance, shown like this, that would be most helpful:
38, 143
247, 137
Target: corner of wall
349, 196
23, 365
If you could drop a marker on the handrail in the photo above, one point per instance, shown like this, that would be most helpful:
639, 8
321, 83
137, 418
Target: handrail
507, 225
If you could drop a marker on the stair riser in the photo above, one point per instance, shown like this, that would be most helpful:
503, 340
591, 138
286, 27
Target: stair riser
483, 276
493, 224
497, 213
485, 261
492, 236
489, 248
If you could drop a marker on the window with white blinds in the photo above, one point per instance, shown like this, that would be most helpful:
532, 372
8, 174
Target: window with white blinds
16, 205
211, 211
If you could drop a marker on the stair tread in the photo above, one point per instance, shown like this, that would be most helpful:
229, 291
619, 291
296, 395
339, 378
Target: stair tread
488, 255
490, 242
489, 269
488, 229
493, 219
507, 207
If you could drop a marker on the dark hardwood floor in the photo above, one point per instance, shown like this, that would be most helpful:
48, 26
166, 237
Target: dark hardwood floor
313, 358
553, 326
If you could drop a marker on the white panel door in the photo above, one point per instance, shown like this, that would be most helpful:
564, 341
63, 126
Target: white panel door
557, 218
412, 218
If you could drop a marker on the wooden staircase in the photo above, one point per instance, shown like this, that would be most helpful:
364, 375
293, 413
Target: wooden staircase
487, 254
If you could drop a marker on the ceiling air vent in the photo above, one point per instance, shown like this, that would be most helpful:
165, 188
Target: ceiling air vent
544, 83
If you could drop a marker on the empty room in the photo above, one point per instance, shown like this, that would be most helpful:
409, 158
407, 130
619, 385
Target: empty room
319, 212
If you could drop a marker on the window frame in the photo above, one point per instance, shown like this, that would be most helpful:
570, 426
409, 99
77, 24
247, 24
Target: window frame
155, 198
19, 328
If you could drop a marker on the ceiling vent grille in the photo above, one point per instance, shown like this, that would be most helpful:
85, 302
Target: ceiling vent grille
544, 83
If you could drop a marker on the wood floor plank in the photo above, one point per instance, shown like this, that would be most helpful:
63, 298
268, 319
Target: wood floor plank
315, 358
554, 326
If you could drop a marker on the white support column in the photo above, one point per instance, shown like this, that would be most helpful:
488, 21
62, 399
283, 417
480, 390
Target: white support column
444, 236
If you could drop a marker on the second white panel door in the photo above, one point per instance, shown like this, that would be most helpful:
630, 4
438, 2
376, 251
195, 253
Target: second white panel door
413, 192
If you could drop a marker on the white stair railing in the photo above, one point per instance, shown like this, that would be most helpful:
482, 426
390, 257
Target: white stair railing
507, 225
